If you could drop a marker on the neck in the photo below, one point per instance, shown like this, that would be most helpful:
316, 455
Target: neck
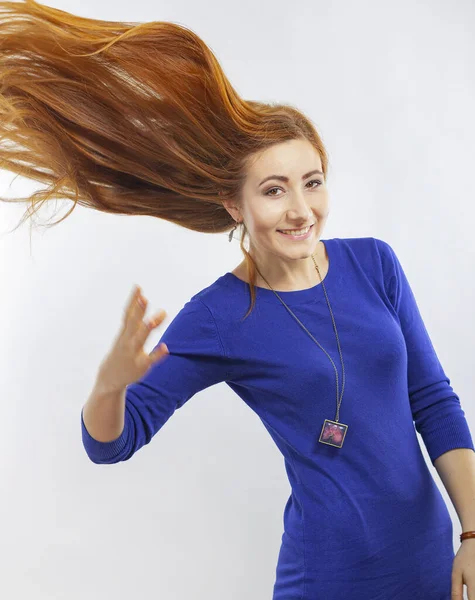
290, 275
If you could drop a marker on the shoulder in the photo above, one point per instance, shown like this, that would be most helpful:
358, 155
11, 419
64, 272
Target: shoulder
369, 250
365, 244
194, 330
213, 297
193, 316
201, 317
375, 256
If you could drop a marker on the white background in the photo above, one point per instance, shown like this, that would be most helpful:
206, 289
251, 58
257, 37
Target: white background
197, 513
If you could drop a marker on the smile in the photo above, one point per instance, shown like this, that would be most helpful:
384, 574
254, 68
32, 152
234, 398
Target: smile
297, 234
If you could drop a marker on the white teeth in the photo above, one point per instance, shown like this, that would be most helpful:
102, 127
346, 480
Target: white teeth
295, 231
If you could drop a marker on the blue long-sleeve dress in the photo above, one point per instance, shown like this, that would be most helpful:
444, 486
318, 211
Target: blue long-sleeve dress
365, 521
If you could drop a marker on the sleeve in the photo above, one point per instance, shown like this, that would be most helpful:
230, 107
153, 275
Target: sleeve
196, 360
436, 408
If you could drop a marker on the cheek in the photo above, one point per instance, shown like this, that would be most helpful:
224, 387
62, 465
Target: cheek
265, 223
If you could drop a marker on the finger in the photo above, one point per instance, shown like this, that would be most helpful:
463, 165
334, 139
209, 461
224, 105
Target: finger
156, 320
159, 353
132, 301
136, 310
135, 294
147, 326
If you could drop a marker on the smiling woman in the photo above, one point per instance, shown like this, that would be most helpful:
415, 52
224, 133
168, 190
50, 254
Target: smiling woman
284, 229
140, 119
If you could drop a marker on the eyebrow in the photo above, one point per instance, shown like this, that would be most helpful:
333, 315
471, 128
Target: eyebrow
286, 179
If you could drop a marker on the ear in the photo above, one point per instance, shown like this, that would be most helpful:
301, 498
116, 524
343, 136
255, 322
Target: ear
232, 209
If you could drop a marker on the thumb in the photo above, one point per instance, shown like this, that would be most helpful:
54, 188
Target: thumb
159, 352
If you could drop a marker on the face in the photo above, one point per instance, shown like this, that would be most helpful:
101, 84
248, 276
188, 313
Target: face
274, 205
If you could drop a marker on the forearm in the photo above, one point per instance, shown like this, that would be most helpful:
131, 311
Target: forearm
456, 469
104, 412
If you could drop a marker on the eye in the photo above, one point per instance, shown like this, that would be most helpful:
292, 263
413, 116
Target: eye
277, 188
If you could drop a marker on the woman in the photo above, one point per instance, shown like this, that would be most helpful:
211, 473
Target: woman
141, 120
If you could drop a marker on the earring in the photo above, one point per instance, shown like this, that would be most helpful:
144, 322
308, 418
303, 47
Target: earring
232, 232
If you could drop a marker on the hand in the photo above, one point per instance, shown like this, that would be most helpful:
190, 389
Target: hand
463, 571
127, 362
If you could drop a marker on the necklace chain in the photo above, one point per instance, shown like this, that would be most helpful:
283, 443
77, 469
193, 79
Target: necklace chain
338, 400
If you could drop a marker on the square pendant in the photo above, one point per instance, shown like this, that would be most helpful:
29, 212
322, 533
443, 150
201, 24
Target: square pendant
333, 433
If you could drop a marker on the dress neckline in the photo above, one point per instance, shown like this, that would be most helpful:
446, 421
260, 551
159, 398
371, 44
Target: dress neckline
295, 296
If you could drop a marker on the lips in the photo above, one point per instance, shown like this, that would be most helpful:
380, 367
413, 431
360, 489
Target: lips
296, 228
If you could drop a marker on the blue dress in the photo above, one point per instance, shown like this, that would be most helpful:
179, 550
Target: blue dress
364, 521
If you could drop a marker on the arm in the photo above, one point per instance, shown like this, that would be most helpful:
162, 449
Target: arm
196, 360
104, 413
435, 407
456, 469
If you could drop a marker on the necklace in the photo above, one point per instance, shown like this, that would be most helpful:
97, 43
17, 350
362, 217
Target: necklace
333, 432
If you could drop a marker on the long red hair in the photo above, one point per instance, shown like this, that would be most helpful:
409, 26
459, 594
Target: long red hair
130, 118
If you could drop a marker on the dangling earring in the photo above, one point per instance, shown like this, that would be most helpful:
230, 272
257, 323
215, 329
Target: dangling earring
232, 232
234, 229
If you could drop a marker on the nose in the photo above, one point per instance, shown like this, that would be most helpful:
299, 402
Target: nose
299, 210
